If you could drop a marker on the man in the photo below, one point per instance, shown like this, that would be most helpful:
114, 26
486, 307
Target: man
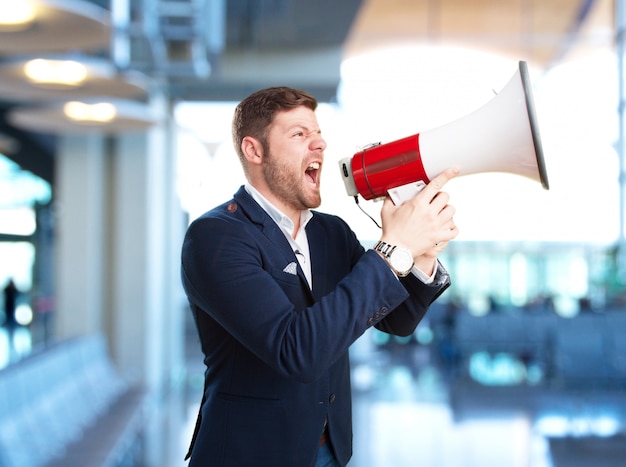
10, 302
279, 293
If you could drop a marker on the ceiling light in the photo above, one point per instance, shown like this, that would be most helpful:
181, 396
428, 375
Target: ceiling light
54, 26
68, 78
17, 15
81, 112
55, 73
101, 116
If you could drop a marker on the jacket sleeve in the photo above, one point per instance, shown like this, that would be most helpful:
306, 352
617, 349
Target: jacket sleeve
405, 319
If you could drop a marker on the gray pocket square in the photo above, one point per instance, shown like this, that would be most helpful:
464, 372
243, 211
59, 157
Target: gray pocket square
291, 268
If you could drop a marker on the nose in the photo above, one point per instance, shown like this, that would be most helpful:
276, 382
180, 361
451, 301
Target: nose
318, 143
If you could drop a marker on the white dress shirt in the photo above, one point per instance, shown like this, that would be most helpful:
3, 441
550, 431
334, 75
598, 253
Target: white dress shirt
300, 244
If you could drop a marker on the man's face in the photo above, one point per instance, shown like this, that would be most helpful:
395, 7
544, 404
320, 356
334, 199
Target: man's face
293, 165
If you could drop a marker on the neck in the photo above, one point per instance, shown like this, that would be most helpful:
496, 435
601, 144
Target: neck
292, 213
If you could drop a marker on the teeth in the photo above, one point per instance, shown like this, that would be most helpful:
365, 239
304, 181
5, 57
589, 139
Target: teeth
314, 166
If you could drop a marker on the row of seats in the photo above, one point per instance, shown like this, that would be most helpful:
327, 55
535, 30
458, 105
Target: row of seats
587, 347
67, 406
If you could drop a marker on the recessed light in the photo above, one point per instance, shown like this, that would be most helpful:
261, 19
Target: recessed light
17, 15
55, 73
100, 112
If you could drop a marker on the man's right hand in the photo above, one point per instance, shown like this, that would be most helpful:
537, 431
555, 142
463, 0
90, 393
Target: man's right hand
424, 223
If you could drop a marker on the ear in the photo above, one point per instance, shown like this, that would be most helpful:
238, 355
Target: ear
252, 149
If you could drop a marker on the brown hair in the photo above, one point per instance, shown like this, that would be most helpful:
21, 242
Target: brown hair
254, 115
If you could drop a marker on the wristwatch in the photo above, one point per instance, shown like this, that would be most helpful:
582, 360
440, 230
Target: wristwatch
399, 259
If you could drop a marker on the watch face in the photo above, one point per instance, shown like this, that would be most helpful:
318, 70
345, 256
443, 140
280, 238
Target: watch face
401, 260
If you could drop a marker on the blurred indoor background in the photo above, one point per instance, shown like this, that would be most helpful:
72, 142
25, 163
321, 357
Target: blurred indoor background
115, 134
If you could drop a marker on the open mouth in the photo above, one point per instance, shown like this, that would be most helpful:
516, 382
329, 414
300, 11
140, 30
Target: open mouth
312, 172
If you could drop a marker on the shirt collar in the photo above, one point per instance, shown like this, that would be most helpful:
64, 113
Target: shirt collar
276, 214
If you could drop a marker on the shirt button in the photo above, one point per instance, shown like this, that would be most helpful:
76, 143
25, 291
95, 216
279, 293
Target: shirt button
331, 399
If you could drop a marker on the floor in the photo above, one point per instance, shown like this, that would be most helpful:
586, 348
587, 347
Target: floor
409, 411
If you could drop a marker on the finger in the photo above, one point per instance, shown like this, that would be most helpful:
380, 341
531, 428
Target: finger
387, 205
387, 201
442, 244
440, 200
449, 232
437, 183
447, 212
437, 248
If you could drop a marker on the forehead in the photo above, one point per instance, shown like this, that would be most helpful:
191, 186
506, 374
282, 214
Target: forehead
299, 116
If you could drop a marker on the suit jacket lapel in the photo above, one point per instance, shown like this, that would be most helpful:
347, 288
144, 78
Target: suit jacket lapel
272, 232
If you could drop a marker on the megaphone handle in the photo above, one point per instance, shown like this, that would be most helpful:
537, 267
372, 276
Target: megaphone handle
403, 193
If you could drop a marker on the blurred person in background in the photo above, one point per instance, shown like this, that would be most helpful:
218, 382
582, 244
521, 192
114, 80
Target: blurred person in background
10, 303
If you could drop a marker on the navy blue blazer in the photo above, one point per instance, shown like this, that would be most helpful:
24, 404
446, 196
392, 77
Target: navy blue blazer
276, 351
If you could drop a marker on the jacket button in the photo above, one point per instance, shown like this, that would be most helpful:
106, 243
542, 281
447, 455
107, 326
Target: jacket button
331, 399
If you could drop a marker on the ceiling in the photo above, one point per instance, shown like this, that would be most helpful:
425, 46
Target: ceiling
301, 43
542, 32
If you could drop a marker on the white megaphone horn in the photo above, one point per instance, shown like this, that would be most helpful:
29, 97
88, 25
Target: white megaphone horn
501, 136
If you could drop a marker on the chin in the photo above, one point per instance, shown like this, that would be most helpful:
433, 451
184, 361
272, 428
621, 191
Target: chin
313, 203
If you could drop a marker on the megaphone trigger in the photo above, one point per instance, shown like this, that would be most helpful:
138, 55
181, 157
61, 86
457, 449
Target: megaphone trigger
403, 193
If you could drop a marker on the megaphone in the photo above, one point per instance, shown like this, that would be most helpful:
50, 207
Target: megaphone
501, 136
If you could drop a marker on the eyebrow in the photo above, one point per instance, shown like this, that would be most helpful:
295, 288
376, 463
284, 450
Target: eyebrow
303, 127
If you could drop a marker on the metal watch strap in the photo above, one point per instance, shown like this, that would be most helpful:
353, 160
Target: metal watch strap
385, 248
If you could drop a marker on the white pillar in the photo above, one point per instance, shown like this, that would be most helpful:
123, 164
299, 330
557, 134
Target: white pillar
119, 230
80, 263
147, 224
